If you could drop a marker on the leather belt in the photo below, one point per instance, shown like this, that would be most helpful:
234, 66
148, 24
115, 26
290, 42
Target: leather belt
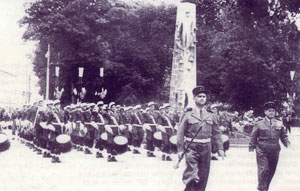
270, 139
198, 140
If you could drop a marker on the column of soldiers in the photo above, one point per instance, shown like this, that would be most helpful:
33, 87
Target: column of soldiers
91, 127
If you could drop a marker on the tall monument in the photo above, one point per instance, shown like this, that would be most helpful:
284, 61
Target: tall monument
183, 77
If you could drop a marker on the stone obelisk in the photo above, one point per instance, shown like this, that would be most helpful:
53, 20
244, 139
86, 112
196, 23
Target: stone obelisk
183, 77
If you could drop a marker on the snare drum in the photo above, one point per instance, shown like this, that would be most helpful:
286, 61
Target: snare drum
4, 143
120, 144
103, 140
158, 139
225, 140
64, 143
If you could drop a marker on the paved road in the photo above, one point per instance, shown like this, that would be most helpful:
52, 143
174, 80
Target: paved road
22, 169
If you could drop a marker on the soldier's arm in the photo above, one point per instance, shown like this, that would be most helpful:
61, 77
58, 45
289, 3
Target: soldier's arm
253, 138
284, 137
180, 133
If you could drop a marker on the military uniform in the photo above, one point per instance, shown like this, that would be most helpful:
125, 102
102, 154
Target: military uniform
137, 129
90, 135
150, 119
56, 118
198, 154
165, 122
125, 120
265, 140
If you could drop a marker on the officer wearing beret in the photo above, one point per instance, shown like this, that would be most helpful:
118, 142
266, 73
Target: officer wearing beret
203, 126
265, 140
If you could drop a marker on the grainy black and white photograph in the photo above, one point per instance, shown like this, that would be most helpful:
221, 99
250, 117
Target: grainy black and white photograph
150, 95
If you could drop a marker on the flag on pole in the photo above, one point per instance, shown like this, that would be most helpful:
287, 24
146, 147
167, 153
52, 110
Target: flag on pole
80, 72
101, 72
57, 71
292, 73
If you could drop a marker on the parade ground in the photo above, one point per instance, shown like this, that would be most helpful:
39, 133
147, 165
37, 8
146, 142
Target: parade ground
22, 169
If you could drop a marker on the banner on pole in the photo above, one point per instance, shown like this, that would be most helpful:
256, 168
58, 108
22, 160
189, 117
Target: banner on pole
80, 72
101, 72
57, 71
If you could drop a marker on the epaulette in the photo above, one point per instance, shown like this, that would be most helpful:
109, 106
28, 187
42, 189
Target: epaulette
278, 118
258, 119
209, 111
187, 109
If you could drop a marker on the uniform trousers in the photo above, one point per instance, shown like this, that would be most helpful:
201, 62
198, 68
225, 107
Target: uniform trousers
150, 138
267, 158
137, 135
110, 139
197, 158
166, 145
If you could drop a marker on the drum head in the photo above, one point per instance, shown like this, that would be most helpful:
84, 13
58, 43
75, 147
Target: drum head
120, 140
103, 136
224, 138
3, 138
63, 139
158, 135
173, 140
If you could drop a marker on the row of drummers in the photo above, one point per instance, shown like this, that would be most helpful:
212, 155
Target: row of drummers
99, 126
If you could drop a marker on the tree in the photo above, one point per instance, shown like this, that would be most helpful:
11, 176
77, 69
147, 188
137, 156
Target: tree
132, 42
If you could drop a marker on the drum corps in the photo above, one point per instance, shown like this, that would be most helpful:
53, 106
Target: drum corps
94, 128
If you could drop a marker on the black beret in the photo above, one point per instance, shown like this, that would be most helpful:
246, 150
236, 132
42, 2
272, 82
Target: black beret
269, 105
197, 90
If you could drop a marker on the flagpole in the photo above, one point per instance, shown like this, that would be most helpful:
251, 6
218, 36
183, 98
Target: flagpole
48, 73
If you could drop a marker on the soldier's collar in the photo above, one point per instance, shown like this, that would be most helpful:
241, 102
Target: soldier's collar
267, 120
196, 113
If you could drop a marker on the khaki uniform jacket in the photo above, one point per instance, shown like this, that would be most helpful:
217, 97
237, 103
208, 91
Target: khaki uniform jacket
191, 122
268, 132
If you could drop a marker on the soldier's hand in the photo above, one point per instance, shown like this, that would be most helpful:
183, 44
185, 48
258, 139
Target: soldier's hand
221, 153
251, 149
180, 155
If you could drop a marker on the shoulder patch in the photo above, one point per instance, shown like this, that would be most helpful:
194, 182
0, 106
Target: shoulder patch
258, 119
187, 109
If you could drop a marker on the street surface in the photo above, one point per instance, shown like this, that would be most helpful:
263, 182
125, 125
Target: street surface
24, 170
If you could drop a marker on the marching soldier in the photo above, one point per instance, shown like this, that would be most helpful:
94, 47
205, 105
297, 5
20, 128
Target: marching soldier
126, 126
265, 140
197, 127
56, 125
111, 128
39, 117
151, 119
166, 127
137, 129
99, 122
89, 130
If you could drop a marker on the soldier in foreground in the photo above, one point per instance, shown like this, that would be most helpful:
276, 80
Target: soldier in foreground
265, 140
198, 127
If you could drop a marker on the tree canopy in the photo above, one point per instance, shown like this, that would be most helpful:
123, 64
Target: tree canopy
245, 49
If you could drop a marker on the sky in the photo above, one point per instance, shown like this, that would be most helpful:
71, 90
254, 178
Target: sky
15, 54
